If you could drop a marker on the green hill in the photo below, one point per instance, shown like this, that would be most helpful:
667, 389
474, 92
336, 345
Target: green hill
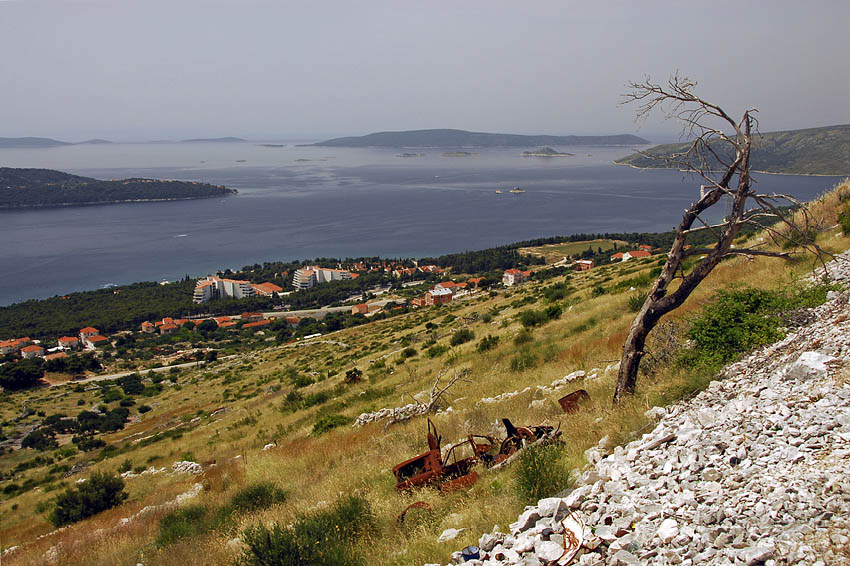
461, 138
27, 188
813, 151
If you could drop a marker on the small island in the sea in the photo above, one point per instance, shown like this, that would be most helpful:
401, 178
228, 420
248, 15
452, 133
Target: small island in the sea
457, 154
271, 144
545, 152
410, 155
36, 188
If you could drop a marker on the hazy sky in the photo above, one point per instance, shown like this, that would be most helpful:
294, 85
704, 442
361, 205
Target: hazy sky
135, 70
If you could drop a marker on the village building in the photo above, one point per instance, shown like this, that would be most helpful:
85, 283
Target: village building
14, 345
55, 356
214, 287
311, 276
252, 316
266, 289
635, 254
69, 342
514, 276
148, 328
617, 256
168, 328
583, 265
88, 332
32, 351
257, 324
96, 341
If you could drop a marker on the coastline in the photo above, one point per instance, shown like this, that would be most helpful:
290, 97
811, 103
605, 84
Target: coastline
230, 192
841, 175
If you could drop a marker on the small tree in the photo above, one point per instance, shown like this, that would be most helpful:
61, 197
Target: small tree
100, 492
722, 159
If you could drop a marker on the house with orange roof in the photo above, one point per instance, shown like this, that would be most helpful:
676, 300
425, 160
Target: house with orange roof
221, 319
148, 328
475, 281
88, 332
32, 351
514, 276
292, 321
617, 256
636, 254
228, 324
257, 324
583, 265
251, 316
168, 328
69, 342
96, 341
266, 289
645, 247
14, 345
362, 308
55, 356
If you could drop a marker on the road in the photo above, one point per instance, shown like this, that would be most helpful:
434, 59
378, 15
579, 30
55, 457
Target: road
139, 371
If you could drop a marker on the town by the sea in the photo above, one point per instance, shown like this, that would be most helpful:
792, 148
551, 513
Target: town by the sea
298, 202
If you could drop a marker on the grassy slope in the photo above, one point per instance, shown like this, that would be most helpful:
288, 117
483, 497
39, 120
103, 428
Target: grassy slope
359, 461
813, 151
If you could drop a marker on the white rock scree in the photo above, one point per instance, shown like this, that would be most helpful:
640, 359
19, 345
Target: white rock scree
753, 470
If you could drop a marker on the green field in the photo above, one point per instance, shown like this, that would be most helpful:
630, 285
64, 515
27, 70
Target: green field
557, 252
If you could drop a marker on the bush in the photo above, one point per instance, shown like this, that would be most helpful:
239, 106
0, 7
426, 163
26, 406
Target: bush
21, 375
636, 301
461, 337
257, 496
531, 317
523, 359
102, 491
326, 423
488, 343
325, 538
524, 336
844, 220
539, 473
144, 409
41, 439
131, 384
597, 291
189, 521
437, 350
87, 443
408, 353
553, 312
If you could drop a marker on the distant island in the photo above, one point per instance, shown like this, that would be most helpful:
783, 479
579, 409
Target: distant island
30, 142
34, 188
463, 139
410, 155
228, 139
457, 154
813, 151
545, 152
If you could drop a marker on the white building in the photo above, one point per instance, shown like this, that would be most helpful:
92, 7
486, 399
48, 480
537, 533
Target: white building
313, 275
214, 287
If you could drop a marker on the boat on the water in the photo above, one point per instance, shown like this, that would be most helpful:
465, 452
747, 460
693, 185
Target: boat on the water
516, 190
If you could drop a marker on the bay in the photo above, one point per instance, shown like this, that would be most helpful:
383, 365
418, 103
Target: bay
305, 202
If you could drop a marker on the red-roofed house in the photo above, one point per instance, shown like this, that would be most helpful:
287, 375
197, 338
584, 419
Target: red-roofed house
583, 265
96, 341
88, 332
168, 328
617, 256
56, 356
220, 320
257, 324
14, 345
513, 277
148, 328
362, 308
229, 324
69, 342
266, 289
33, 351
252, 316
292, 320
635, 254
645, 247
474, 281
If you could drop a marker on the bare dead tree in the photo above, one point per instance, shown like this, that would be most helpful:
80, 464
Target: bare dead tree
719, 154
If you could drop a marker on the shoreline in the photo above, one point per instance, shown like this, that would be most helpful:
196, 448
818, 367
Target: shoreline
3, 208
842, 175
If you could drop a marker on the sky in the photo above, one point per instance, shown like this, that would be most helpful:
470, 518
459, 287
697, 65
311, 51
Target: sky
151, 69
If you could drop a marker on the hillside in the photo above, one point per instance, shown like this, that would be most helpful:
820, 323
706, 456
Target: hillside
447, 138
31, 188
813, 151
30, 142
215, 455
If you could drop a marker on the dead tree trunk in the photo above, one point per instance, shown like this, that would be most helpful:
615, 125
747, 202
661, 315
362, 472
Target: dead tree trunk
724, 162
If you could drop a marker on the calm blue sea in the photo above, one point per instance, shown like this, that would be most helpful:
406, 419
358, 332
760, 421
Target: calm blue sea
304, 202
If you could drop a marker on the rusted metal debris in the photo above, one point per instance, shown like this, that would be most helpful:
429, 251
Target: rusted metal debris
572, 402
416, 505
455, 469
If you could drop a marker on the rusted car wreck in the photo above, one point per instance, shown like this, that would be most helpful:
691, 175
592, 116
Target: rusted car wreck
455, 469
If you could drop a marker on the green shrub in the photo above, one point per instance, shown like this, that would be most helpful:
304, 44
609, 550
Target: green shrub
524, 359
553, 312
524, 336
325, 538
41, 439
326, 423
437, 350
408, 353
144, 409
844, 220
257, 496
100, 492
531, 317
487, 343
539, 472
461, 337
87, 443
636, 301
597, 291
318, 398
190, 521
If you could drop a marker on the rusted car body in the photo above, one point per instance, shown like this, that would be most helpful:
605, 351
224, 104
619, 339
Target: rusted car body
455, 469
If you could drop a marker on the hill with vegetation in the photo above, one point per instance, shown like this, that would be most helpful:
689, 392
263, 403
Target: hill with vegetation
30, 188
251, 456
813, 151
447, 138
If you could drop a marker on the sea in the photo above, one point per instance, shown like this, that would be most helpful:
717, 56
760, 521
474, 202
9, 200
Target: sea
298, 202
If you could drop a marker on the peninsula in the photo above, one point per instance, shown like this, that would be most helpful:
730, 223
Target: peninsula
813, 151
35, 188
460, 138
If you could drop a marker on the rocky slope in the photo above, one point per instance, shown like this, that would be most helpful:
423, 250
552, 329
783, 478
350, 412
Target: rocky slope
753, 470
